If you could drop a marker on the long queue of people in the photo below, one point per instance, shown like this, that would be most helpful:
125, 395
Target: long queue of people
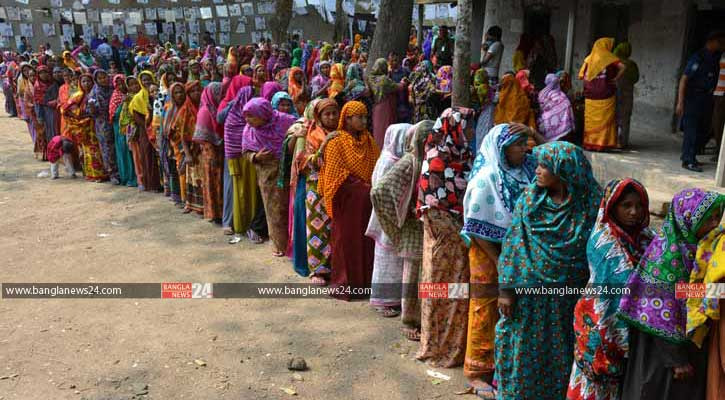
374, 181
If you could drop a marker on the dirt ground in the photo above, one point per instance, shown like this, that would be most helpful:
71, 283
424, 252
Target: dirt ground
146, 348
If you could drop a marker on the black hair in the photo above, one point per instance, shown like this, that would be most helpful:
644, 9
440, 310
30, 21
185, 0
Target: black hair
716, 35
495, 31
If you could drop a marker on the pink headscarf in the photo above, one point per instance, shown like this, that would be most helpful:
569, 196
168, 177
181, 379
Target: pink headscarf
269, 136
237, 82
270, 88
207, 128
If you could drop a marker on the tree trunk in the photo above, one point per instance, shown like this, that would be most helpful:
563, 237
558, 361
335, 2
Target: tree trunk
392, 30
340, 22
462, 56
280, 21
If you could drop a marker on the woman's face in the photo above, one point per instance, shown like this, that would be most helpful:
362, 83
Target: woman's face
86, 83
146, 80
67, 76
179, 95
284, 106
709, 224
330, 117
195, 94
58, 75
544, 177
153, 91
356, 123
44, 76
102, 78
256, 122
325, 70
133, 86
170, 79
299, 76
31, 75
629, 211
195, 68
516, 152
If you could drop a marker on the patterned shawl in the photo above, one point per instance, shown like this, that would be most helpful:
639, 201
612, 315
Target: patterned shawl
557, 116
270, 135
295, 87
337, 78
354, 83
380, 83
236, 84
422, 82
650, 305
118, 95
318, 81
235, 123
444, 79
711, 263
140, 102
186, 117
278, 97
396, 137
513, 104
207, 128
602, 340
546, 241
171, 111
316, 133
494, 187
346, 155
444, 174
101, 95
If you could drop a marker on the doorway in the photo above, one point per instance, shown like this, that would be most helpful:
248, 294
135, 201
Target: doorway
610, 20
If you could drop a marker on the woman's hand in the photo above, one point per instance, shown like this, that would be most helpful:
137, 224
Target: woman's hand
516, 127
264, 156
506, 304
683, 372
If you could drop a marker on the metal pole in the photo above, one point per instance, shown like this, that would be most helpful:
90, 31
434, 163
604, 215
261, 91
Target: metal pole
421, 14
570, 37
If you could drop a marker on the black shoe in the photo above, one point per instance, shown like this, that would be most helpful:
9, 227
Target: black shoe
692, 167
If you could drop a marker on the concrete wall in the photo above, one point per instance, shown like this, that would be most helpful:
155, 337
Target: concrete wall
312, 24
657, 33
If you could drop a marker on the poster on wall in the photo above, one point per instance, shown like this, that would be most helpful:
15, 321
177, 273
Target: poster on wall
210, 26
13, 13
142, 1
26, 15
150, 28
179, 12
134, 18
224, 39
56, 3
193, 39
235, 10
241, 28
49, 29
22, 1
150, 13
6, 29
88, 33
18, 41
221, 11
205, 12
107, 18
116, 2
119, 29
55, 15
93, 16
247, 8
170, 15
194, 26
259, 23
3, 14
224, 25
79, 17
67, 15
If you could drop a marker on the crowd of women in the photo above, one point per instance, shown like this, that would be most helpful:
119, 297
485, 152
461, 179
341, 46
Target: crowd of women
372, 180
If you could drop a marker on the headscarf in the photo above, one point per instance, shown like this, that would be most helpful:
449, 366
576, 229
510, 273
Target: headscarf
354, 83
192, 76
234, 124
393, 149
447, 163
207, 128
444, 79
306, 55
423, 82
380, 83
316, 133
296, 57
172, 111
337, 76
513, 104
295, 87
481, 88
117, 97
278, 97
346, 155
325, 52
140, 102
101, 94
523, 77
41, 87
69, 61
236, 84
269, 89
631, 72
599, 59
319, 81
650, 305
270, 135
546, 242
494, 187
710, 269
557, 116
186, 117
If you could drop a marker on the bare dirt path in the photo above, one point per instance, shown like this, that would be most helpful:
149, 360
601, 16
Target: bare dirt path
146, 348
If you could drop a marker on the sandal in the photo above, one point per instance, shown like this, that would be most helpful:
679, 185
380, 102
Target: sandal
318, 280
254, 238
186, 211
228, 231
388, 312
278, 253
412, 334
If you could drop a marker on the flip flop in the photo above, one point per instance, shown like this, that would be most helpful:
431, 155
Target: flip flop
411, 334
387, 312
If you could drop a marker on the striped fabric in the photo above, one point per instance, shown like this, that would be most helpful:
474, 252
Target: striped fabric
720, 89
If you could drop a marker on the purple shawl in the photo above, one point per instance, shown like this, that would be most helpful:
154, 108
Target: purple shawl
557, 116
270, 88
235, 123
269, 136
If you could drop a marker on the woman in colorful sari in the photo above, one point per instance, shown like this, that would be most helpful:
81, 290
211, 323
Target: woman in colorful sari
337, 80
26, 97
441, 189
100, 97
393, 197
601, 71
483, 97
209, 135
79, 119
282, 102
176, 101
46, 101
269, 89
385, 97
387, 265
161, 143
69, 87
318, 223
187, 151
262, 141
625, 91
513, 104
557, 117
121, 119
145, 155
344, 182
705, 324
663, 362
422, 92
320, 83
615, 247
258, 79
296, 84
545, 245
501, 172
